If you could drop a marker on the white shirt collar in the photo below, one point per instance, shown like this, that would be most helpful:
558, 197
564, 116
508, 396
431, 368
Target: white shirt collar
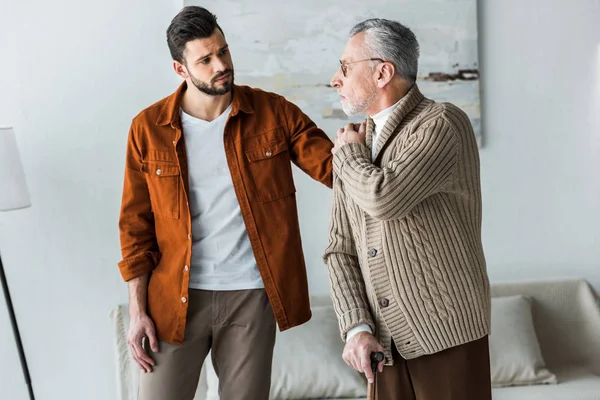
381, 117
379, 120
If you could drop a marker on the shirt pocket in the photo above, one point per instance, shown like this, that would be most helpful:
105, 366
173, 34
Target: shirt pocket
163, 179
271, 169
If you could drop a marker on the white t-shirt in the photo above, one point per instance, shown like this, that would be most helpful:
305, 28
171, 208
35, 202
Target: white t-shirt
222, 257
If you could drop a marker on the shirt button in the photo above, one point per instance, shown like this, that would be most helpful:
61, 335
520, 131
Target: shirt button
189, 236
372, 252
186, 268
268, 154
384, 302
183, 300
159, 171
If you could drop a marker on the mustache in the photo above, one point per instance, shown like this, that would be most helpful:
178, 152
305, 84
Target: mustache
221, 74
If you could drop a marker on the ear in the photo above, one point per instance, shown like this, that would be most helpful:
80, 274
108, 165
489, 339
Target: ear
180, 69
386, 73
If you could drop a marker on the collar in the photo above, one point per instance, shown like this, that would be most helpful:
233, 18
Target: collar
382, 116
169, 113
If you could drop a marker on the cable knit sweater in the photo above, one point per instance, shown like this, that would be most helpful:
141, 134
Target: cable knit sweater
405, 253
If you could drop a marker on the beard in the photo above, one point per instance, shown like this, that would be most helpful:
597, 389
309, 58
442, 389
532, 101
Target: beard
211, 88
360, 105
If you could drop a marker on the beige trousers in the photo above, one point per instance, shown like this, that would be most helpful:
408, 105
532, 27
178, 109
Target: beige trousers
239, 327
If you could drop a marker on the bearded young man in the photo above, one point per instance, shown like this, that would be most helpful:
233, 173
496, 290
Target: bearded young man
209, 226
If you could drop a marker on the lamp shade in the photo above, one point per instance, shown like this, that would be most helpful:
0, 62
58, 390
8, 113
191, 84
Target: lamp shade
13, 189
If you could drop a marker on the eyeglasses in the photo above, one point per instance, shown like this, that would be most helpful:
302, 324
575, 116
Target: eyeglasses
344, 65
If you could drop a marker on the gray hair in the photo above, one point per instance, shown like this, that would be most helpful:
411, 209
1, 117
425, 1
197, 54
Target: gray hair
392, 42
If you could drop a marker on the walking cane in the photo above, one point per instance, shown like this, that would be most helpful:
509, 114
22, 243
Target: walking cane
376, 358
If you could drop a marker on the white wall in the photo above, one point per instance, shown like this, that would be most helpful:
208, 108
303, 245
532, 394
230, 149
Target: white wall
78, 83
540, 63
11, 377
73, 76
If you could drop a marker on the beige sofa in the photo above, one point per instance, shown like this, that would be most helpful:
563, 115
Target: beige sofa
307, 360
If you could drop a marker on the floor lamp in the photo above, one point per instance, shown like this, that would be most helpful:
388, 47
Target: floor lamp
13, 195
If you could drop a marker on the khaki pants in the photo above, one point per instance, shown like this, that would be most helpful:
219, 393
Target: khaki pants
239, 327
458, 373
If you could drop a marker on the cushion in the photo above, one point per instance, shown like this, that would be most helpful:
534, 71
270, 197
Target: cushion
307, 363
576, 383
515, 355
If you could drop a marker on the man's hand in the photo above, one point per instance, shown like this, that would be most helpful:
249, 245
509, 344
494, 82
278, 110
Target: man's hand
140, 327
351, 133
357, 353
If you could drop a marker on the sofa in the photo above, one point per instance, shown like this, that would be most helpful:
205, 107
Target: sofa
544, 344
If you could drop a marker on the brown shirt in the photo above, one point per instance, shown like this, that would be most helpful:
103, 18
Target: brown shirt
263, 135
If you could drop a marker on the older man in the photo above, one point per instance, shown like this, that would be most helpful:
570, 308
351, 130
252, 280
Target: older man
405, 258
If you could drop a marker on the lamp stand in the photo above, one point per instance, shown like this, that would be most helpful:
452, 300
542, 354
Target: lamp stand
15, 328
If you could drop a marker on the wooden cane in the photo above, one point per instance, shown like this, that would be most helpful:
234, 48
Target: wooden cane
376, 358
371, 391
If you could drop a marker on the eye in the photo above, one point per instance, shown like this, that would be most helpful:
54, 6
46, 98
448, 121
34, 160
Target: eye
205, 61
223, 52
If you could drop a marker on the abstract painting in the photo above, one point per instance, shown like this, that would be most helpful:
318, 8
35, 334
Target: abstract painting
293, 47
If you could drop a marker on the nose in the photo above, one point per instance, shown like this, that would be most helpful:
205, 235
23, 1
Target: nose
336, 82
220, 65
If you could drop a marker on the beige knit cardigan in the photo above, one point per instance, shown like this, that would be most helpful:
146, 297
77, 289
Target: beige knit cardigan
405, 253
